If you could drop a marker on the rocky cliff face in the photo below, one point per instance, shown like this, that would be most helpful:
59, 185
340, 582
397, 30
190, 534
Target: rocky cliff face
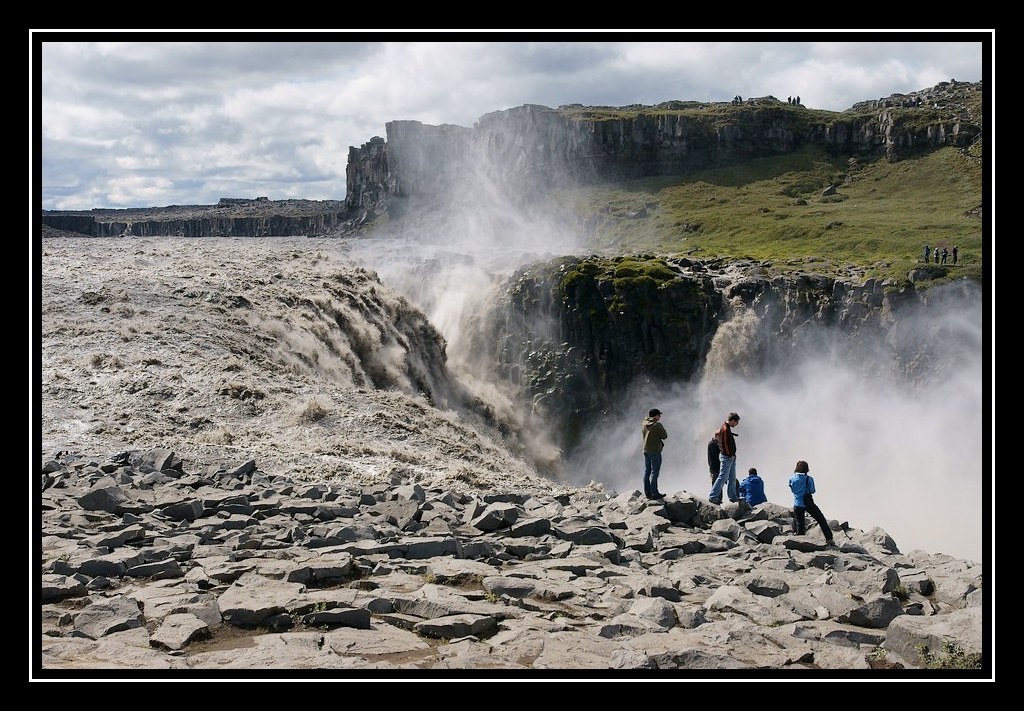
531, 148
574, 335
232, 217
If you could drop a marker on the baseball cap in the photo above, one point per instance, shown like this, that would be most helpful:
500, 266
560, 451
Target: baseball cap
654, 412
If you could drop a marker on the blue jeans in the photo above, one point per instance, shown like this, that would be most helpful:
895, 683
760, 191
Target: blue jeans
652, 468
726, 478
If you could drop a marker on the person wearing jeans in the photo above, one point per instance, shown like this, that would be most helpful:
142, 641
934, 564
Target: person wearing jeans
727, 471
654, 435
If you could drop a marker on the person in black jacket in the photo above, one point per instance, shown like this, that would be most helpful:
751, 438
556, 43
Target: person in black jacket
714, 460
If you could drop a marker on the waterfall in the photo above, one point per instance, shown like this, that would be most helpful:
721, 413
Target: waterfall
735, 347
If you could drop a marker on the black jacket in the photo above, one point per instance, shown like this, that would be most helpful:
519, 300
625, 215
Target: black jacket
727, 440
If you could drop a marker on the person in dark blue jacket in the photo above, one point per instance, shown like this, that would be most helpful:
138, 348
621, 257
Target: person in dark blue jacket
802, 486
752, 488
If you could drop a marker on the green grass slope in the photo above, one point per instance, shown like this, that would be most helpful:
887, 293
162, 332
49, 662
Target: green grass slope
779, 212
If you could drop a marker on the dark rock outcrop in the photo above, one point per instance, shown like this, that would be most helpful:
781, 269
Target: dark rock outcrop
573, 335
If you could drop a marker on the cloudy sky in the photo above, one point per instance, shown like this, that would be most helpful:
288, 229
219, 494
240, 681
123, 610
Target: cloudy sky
131, 123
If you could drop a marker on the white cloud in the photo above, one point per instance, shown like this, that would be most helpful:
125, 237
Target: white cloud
180, 105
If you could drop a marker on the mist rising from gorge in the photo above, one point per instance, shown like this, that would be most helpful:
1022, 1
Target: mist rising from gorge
886, 450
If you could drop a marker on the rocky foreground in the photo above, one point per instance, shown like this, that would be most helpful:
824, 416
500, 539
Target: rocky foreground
151, 565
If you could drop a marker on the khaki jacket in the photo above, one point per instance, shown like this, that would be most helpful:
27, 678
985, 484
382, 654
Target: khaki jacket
654, 435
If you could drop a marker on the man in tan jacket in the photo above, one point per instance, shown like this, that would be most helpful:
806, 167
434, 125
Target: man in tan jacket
654, 441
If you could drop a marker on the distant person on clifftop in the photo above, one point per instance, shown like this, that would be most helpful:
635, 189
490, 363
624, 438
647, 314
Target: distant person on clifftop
956, 251
945, 253
727, 473
927, 254
752, 488
802, 486
654, 435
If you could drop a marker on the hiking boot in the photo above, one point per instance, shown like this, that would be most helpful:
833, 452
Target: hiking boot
716, 502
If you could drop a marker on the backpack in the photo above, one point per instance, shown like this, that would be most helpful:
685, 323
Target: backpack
713, 451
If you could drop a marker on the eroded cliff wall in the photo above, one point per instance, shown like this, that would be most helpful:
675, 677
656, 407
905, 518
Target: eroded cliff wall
528, 149
232, 217
574, 335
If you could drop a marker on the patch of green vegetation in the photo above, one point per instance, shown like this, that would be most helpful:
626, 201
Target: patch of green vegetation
775, 211
878, 659
465, 580
583, 273
953, 657
653, 268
